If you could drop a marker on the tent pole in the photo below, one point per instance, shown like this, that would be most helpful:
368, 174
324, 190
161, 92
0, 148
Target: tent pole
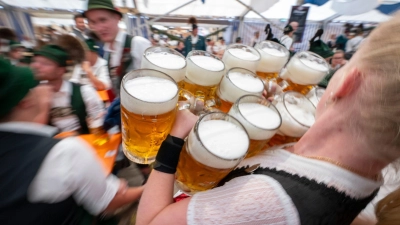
259, 14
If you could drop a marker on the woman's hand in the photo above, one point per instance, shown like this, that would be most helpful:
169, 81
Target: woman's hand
184, 122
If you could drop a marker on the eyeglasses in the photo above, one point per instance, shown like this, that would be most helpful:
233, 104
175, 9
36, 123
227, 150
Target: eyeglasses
337, 58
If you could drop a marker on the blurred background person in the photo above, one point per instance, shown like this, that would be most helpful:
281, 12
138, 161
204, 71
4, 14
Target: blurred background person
79, 30
180, 48
255, 39
194, 41
355, 42
287, 38
16, 53
332, 41
238, 40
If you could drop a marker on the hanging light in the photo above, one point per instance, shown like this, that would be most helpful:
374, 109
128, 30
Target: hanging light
354, 7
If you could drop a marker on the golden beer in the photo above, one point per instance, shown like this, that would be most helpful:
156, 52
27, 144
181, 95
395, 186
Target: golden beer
243, 56
236, 83
298, 115
203, 74
273, 58
260, 119
167, 61
95, 125
214, 147
148, 107
304, 70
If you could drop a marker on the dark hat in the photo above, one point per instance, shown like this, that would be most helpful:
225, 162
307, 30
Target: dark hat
194, 26
320, 48
288, 29
92, 45
15, 83
54, 53
101, 4
238, 39
15, 44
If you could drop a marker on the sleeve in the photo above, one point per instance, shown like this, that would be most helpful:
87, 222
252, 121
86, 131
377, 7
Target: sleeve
75, 78
252, 199
93, 102
71, 168
104, 76
349, 46
138, 47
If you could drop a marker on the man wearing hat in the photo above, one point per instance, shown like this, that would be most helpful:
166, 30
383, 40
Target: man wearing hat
93, 71
45, 180
72, 103
194, 41
122, 51
287, 38
16, 52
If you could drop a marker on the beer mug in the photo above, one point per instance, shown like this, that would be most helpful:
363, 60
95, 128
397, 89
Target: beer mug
315, 95
214, 147
236, 83
148, 107
167, 61
298, 115
273, 58
203, 74
259, 117
243, 56
304, 70
95, 125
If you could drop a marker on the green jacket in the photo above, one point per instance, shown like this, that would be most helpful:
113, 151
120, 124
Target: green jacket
200, 45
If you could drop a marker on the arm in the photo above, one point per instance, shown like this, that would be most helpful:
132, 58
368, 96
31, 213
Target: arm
156, 205
93, 104
97, 84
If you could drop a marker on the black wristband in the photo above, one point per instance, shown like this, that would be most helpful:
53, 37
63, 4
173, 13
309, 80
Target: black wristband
168, 155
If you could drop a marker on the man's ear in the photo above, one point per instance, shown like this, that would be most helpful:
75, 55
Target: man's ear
348, 83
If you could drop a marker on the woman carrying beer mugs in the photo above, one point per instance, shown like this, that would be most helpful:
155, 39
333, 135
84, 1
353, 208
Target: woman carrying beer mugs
327, 177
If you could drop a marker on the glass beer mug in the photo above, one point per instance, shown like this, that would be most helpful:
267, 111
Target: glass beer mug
214, 147
273, 58
148, 107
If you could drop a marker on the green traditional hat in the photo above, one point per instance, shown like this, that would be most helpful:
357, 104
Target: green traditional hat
320, 48
54, 53
101, 4
15, 83
15, 44
92, 45
288, 28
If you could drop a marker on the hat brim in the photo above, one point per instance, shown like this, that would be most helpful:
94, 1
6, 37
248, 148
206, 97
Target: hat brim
16, 46
94, 7
50, 56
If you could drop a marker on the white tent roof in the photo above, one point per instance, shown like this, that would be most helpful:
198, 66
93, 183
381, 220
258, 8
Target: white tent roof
282, 9
373, 16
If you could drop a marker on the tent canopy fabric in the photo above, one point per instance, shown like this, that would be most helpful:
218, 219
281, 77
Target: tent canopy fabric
373, 16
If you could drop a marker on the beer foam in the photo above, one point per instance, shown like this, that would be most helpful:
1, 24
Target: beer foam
167, 60
298, 111
304, 71
223, 139
204, 70
243, 54
272, 60
207, 63
152, 95
240, 84
260, 121
274, 52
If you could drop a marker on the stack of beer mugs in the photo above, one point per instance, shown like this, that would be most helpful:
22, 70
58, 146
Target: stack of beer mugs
273, 58
236, 83
315, 95
304, 70
246, 124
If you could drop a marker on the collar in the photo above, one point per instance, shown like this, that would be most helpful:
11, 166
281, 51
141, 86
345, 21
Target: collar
29, 128
66, 87
118, 40
75, 28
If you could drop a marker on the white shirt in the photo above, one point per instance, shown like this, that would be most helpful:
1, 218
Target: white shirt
66, 120
70, 168
354, 43
286, 41
194, 39
260, 199
138, 46
100, 71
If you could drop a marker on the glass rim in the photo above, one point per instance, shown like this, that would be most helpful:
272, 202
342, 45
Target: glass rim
316, 89
304, 97
207, 54
242, 45
237, 103
196, 128
164, 48
313, 54
125, 78
251, 73
258, 46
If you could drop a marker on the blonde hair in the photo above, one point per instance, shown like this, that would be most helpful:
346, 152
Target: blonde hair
378, 102
388, 209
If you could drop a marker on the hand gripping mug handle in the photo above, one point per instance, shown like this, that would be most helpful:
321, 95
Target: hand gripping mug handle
189, 101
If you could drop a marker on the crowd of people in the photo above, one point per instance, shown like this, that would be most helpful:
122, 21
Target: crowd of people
328, 177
